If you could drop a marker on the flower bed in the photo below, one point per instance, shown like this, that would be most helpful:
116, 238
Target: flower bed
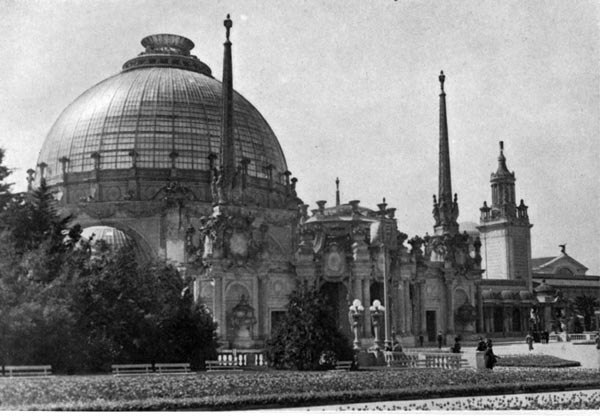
535, 360
214, 391
575, 400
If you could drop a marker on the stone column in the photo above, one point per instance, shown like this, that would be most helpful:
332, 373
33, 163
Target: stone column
407, 330
480, 314
219, 303
262, 311
506, 321
486, 319
366, 296
422, 308
450, 307
399, 310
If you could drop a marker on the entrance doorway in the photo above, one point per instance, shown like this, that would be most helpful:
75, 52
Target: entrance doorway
498, 319
431, 325
337, 297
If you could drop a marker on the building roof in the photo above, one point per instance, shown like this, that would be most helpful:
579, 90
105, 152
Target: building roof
164, 109
561, 264
591, 282
538, 261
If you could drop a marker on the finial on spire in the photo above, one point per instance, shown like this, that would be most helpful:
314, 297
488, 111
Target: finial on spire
337, 191
228, 24
501, 146
442, 78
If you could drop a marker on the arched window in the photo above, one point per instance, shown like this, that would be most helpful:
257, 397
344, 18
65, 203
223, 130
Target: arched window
565, 271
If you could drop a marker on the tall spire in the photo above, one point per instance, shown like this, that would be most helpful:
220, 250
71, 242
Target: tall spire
227, 148
445, 208
445, 182
337, 191
502, 169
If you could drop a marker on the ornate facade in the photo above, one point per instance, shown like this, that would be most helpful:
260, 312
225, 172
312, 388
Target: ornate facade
191, 172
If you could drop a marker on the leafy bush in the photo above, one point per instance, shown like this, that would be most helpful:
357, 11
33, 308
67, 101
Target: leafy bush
327, 360
305, 332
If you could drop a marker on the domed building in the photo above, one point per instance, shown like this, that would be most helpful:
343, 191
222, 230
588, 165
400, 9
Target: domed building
158, 121
179, 164
167, 159
188, 170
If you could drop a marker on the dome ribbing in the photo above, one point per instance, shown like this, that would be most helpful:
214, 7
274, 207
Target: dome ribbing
162, 112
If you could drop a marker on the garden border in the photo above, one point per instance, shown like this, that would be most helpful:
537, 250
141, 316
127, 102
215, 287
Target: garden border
273, 401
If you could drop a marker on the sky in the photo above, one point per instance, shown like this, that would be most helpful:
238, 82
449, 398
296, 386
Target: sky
350, 88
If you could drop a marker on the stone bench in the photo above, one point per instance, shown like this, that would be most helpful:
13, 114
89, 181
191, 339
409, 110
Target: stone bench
131, 369
28, 370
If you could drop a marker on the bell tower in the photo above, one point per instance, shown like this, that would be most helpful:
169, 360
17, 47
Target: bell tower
505, 229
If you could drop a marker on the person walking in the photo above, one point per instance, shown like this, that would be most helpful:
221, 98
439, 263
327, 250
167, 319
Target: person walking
490, 358
421, 339
440, 339
529, 341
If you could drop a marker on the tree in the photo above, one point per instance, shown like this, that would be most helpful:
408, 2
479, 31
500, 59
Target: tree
61, 306
307, 330
132, 312
5, 192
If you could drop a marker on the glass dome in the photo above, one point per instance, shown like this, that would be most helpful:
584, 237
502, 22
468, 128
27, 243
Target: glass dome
113, 237
162, 111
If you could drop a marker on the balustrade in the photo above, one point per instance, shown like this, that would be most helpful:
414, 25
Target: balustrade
425, 359
242, 358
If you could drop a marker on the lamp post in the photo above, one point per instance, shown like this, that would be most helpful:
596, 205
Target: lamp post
356, 311
376, 311
387, 242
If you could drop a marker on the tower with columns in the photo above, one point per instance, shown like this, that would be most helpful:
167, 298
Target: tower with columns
505, 229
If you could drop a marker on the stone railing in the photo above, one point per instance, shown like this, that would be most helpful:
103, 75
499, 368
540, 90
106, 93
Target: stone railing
563, 336
425, 359
444, 360
401, 359
241, 358
582, 337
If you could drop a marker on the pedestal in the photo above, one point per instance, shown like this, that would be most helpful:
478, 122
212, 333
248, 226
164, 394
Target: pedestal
480, 360
366, 359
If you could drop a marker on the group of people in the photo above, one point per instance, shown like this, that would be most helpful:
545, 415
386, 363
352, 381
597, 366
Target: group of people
490, 359
485, 346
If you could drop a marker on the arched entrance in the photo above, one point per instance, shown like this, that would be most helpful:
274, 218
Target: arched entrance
118, 235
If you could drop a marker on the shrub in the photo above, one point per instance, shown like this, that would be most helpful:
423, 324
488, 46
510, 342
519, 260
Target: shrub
305, 332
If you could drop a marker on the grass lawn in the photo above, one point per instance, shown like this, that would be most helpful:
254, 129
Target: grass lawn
226, 391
